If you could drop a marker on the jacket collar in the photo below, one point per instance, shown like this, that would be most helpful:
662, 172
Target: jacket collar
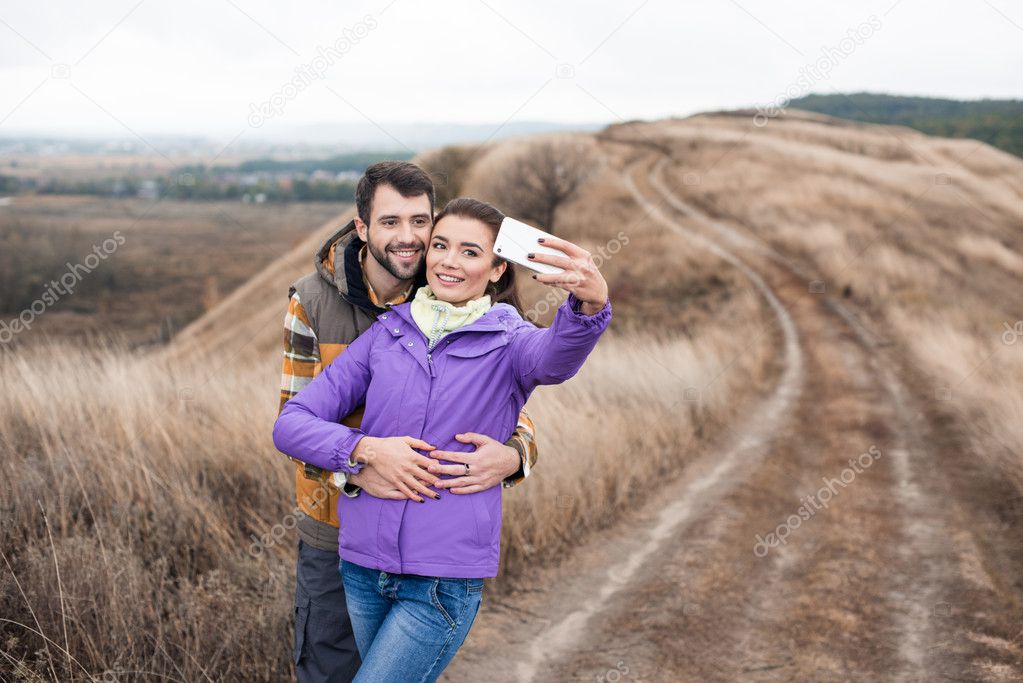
494, 320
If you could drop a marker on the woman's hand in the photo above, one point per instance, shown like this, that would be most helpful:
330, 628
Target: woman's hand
397, 464
490, 464
580, 277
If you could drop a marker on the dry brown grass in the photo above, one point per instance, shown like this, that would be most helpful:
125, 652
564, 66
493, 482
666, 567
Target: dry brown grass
638, 412
143, 480
151, 479
139, 482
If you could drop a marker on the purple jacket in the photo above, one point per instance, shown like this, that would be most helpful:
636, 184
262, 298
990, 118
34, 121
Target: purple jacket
475, 380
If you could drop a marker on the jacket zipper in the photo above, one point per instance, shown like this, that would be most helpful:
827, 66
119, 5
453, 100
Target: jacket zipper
431, 341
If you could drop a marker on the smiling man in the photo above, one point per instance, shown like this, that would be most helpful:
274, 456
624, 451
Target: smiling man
372, 263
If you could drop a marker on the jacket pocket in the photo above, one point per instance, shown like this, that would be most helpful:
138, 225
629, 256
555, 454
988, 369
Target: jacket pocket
301, 621
484, 523
358, 520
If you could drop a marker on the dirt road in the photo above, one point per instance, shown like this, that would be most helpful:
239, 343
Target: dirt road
836, 531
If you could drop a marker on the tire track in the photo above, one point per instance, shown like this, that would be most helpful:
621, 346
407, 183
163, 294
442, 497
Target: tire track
918, 598
936, 534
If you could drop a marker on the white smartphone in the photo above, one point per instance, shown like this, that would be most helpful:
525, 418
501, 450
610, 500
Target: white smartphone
516, 239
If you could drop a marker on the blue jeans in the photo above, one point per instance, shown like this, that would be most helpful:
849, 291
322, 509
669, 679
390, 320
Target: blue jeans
407, 627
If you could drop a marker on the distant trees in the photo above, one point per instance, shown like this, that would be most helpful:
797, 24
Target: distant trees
996, 122
447, 167
536, 177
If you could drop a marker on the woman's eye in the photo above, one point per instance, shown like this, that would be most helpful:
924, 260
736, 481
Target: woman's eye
438, 245
469, 252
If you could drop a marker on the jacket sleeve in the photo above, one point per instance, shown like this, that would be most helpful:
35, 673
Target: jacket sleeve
524, 443
301, 351
308, 427
554, 354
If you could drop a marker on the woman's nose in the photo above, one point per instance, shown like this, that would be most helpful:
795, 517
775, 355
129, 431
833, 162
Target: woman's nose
450, 259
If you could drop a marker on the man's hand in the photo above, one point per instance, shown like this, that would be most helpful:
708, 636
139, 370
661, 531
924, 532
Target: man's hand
489, 465
392, 469
370, 481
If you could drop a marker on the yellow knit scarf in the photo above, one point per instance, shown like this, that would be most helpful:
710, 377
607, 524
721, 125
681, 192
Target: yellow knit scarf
436, 318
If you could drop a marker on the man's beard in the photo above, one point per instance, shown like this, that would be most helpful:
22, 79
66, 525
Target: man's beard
399, 270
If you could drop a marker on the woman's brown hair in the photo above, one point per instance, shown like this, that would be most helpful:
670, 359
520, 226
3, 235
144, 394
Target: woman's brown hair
502, 291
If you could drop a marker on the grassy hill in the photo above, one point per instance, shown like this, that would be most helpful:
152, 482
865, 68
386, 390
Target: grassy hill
150, 485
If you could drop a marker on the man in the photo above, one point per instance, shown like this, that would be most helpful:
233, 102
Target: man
372, 263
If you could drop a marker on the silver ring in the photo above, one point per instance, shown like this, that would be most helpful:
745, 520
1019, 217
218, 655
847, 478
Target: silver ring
466, 467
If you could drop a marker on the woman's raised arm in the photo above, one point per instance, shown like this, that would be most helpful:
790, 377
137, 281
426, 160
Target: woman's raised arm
554, 354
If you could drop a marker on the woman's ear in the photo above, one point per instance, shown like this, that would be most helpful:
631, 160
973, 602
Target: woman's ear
498, 271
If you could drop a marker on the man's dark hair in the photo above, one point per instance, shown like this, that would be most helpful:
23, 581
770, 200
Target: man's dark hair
404, 176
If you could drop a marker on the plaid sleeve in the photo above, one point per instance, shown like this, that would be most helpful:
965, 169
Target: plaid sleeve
524, 442
301, 361
301, 351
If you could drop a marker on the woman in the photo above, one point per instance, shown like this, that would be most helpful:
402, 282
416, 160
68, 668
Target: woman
459, 357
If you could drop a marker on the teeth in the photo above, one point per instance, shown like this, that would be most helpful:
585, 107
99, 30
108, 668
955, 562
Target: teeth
448, 278
405, 253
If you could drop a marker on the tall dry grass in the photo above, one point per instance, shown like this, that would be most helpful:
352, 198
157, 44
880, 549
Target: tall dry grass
128, 489
133, 487
638, 412
132, 490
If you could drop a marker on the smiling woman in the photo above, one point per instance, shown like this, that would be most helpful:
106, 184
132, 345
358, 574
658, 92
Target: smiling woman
468, 361
460, 264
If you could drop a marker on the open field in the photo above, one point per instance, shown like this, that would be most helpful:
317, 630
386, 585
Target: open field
789, 300
169, 263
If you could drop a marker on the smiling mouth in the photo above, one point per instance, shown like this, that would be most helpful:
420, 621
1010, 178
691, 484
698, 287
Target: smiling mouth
450, 279
405, 253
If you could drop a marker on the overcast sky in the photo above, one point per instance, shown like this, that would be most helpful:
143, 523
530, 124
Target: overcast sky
220, 67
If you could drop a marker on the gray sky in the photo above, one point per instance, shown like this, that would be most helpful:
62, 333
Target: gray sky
224, 67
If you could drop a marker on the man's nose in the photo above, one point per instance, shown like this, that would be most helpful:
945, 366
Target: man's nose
407, 235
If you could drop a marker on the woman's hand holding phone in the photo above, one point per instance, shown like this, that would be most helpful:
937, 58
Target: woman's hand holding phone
580, 274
